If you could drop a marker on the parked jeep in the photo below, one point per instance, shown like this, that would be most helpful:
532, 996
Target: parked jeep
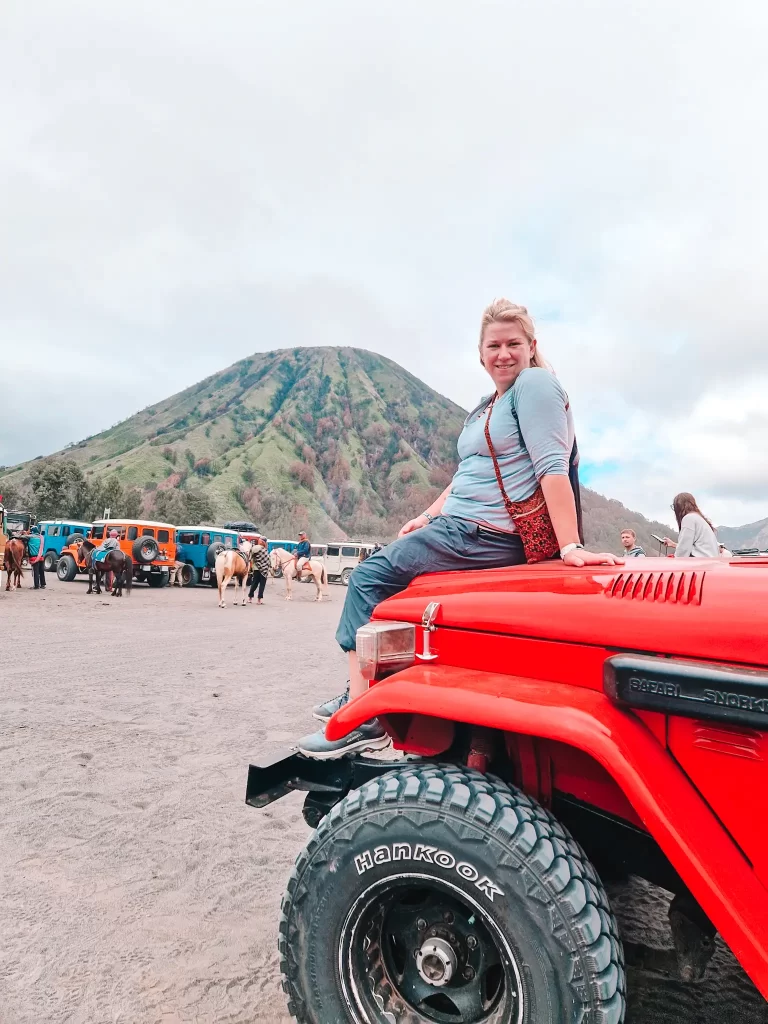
558, 726
342, 559
151, 547
14, 523
198, 546
58, 534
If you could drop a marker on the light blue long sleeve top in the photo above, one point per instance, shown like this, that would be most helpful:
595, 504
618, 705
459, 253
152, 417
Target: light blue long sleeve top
532, 433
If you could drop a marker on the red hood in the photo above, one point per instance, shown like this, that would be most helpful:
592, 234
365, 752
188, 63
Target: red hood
698, 608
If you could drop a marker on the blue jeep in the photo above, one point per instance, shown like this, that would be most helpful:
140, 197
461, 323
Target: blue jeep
289, 545
58, 534
197, 547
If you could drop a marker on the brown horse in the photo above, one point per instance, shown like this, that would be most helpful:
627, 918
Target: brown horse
12, 562
229, 564
116, 562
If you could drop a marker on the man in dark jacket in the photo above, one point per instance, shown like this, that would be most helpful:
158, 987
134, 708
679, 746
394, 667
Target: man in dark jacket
302, 554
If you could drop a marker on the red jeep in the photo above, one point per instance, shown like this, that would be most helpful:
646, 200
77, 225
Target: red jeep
559, 725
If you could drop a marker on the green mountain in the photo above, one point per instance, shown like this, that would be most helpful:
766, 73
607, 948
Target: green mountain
337, 440
753, 535
605, 518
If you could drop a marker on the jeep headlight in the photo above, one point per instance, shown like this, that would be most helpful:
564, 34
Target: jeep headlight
385, 647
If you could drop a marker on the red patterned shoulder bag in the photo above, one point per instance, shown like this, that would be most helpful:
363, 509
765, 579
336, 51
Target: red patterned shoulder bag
531, 516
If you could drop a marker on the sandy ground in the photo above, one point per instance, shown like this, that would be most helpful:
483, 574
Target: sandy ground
136, 885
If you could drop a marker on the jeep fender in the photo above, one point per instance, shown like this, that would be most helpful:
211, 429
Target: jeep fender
671, 809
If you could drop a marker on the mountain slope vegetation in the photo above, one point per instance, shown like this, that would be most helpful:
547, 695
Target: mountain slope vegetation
339, 441
752, 535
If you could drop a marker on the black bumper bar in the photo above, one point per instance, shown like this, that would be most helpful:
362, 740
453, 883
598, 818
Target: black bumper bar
328, 780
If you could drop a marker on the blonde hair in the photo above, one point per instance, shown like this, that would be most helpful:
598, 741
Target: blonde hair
504, 311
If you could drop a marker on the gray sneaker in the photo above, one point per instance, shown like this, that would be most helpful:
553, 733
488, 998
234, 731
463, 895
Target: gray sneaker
368, 736
324, 712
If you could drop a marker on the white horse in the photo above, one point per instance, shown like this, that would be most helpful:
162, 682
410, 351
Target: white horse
233, 563
281, 559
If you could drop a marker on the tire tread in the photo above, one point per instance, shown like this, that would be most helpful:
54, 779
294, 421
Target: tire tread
582, 921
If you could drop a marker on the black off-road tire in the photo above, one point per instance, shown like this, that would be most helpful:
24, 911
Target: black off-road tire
75, 538
66, 570
49, 562
213, 550
145, 550
189, 576
546, 899
158, 580
345, 576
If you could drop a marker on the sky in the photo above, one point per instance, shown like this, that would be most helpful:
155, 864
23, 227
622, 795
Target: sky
183, 185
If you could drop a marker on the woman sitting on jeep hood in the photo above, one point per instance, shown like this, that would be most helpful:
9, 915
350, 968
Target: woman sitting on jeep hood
530, 425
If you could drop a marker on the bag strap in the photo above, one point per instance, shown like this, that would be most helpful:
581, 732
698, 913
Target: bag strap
507, 500
573, 466
573, 476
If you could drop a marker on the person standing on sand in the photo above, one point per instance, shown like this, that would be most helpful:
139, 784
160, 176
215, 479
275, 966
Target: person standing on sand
518, 456
174, 577
36, 559
259, 569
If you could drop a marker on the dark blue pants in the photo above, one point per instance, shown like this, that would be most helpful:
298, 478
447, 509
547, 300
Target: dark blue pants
446, 545
258, 579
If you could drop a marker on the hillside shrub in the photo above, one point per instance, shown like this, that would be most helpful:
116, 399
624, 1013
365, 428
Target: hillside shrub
326, 425
180, 507
339, 471
302, 474
440, 477
60, 488
250, 499
289, 373
13, 497
170, 482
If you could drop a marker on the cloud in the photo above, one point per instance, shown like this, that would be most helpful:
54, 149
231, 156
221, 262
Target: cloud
177, 193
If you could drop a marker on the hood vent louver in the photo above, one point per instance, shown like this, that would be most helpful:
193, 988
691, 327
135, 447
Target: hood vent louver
670, 587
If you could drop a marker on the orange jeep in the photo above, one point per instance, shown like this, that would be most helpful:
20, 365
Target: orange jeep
151, 547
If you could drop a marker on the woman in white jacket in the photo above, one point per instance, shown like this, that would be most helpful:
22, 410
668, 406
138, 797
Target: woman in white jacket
697, 537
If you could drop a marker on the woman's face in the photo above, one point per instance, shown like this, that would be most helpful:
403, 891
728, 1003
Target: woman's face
505, 353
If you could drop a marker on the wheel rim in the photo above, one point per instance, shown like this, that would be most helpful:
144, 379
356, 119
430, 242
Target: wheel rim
147, 552
417, 950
